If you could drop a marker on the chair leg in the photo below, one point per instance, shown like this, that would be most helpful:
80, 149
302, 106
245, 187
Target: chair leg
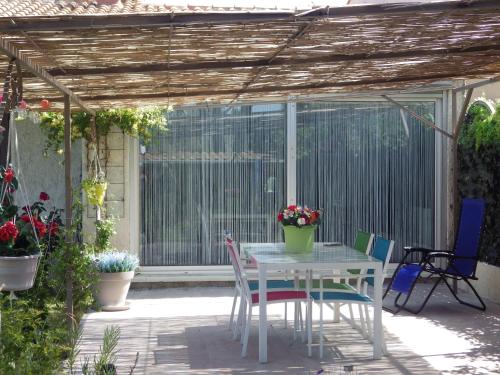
362, 321
418, 310
482, 307
243, 322
247, 332
336, 312
231, 319
368, 323
321, 330
302, 327
286, 315
351, 314
236, 330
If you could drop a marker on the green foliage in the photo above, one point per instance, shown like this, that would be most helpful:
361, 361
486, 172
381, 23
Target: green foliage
138, 123
479, 173
105, 229
104, 362
35, 338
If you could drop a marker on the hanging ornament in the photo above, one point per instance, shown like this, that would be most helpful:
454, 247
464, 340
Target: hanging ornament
44, 104
22, 104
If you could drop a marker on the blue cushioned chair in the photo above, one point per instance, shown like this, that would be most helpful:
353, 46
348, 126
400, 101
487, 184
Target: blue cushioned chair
460, 262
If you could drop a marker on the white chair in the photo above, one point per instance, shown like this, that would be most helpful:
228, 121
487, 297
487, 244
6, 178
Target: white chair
250, 298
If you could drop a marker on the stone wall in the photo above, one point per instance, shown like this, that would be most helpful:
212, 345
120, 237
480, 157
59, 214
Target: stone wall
114, 159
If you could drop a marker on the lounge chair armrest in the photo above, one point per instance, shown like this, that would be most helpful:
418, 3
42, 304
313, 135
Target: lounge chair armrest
448, 255
424, 250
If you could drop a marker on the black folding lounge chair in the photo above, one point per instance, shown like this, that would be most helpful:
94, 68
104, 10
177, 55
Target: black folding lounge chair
460, 262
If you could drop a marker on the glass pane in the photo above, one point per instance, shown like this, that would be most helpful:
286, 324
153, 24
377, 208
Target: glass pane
214, 169
367, 169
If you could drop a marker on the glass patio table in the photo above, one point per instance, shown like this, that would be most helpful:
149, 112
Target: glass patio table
324, 257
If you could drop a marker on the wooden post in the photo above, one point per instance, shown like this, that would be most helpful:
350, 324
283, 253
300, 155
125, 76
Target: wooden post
68, 206
454, 198
452, 177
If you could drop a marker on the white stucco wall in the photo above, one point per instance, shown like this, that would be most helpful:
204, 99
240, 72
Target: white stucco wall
40, 173
491, 92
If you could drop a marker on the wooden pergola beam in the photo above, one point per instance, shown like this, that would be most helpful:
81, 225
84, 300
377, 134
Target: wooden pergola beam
232, 64
291, 39
418, 117
211, 92
477, 84
41, 73
72, 22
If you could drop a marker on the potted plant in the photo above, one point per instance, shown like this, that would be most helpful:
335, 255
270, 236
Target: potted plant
116, 270
299, 224
95, 189
22, 234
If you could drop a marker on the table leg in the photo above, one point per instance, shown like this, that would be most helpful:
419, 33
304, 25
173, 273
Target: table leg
296, 307
262, 313
309, 313
377, 313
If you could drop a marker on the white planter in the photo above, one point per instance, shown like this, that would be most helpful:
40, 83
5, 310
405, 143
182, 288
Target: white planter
488, 282
18, 273
112, 290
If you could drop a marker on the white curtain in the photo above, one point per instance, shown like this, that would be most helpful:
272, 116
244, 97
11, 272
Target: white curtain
215, 169
369, 169
222, 168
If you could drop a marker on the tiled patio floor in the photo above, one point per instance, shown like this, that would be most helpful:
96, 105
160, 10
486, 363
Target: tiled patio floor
184, 331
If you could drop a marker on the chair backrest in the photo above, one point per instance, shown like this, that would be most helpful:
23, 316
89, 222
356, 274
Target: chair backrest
239, 271
468, 237
382, 250
363, 241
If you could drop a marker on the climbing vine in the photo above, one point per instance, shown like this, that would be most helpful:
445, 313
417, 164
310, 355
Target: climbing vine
138, 123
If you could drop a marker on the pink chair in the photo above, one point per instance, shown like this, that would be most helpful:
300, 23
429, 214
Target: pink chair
250, 298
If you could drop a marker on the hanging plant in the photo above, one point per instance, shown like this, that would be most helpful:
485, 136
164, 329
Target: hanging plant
135, 122
95, 189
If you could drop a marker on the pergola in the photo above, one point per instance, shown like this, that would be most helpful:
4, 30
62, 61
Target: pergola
125, 53
128, 53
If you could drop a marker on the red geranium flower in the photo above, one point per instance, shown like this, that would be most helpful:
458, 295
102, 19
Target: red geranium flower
25, 218
280, 217
8, 175
44, 196
292, 207
40, 227
8, 231
53, 228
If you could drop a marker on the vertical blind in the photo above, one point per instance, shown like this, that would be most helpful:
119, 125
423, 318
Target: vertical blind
214, 169
222, 168
368, 169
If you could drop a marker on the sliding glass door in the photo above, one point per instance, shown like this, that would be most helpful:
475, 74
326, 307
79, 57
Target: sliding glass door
369, 167
214, 169
366, 164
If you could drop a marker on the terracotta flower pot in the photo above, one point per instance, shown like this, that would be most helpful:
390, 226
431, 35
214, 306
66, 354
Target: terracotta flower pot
112, 290
18, 273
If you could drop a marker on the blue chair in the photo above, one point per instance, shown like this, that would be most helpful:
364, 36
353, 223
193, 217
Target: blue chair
324, 294
460, 262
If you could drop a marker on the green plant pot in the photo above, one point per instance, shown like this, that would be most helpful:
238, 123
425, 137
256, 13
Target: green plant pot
299, 240
96, 192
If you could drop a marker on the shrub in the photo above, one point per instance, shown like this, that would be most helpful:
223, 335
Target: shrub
479, 173
116, 262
